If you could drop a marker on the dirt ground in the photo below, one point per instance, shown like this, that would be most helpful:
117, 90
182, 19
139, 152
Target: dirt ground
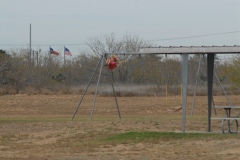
41, 127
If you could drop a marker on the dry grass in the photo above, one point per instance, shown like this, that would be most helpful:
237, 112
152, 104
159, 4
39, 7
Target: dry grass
40, 127
122, 90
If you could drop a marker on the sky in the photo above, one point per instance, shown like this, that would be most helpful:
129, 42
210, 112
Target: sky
72, 23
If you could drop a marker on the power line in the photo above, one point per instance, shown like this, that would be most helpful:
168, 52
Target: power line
163, 39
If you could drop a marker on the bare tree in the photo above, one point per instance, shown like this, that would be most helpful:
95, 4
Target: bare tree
127, 44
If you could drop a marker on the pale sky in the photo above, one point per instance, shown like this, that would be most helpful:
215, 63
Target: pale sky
72, 22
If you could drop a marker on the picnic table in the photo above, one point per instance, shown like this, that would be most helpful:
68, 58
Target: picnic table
230, 119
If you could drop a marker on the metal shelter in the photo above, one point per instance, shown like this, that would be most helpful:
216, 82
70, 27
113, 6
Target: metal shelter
210, 51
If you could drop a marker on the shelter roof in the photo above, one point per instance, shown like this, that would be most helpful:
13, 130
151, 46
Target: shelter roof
191, 50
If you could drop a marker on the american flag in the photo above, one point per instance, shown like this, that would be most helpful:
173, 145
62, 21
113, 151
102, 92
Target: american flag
67, 52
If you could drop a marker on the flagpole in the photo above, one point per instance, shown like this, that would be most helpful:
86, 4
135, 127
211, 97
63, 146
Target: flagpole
64, 54
49, 56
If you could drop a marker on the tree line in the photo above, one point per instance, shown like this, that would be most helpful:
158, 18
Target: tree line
19, 74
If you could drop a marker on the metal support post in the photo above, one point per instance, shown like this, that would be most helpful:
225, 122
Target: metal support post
210, 67
204, 61
87, 88
115, 95
97, 87
184, 91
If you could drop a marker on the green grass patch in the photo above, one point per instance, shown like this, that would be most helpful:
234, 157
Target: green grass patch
135, 137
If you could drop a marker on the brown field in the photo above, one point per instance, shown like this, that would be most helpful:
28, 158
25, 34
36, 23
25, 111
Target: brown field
41, 127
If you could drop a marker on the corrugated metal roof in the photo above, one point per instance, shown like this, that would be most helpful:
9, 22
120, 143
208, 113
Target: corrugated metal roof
191, 46
235, 49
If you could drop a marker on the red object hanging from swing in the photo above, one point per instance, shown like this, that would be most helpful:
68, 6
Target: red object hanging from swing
112, 65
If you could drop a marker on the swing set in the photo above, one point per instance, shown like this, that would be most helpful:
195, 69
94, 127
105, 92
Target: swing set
100, 62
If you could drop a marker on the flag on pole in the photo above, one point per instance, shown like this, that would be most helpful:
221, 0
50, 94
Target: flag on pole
67, 52
53, 52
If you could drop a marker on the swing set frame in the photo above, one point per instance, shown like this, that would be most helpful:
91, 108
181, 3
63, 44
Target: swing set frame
100, 62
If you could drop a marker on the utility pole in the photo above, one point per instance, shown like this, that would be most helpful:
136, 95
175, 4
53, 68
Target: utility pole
37, 57
30, 44
33, 52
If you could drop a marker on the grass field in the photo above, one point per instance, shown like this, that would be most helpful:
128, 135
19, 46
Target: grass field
41, 127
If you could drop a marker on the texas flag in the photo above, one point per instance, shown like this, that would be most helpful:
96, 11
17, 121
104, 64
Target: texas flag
67, 52
53, 52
